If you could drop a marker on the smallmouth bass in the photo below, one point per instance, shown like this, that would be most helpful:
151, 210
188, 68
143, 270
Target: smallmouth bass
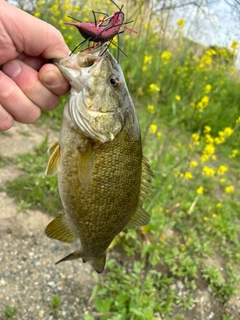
103, 177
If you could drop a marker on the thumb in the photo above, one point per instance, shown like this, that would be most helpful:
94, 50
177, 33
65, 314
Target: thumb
52, 78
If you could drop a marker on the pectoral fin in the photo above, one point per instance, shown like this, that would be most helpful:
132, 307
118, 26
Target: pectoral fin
85, 165
60, 230
52, 166
140, 218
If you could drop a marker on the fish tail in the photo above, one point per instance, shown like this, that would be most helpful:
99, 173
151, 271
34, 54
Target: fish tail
71, 256
99, 263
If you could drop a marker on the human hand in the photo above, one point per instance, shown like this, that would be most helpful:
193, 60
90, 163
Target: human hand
28, 83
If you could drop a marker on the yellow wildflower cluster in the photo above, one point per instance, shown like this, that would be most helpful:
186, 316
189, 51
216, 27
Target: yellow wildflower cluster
187, 175
229, 189
166, 56
200, 190
222, 135
203, 103
146, 61
222, 170
234, 153
193, 164
208, 152
178, 98
151, 108
208, 88
153, 128
234, 45
181, 23
207, 171
153, 87
196, 138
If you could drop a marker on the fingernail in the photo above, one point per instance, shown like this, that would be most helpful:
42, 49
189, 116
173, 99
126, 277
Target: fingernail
12, 68
50, 78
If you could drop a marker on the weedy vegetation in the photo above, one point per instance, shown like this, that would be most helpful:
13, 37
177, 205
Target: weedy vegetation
187, 98
10, 312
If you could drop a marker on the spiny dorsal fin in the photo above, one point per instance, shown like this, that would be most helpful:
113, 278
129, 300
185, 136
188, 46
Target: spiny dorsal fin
140, 218
59, 229
85, 165
52, 166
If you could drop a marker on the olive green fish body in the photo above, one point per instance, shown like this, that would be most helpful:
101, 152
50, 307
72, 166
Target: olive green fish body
99, 211
102, 175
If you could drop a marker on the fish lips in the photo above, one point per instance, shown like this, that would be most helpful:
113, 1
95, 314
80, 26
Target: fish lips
76, 66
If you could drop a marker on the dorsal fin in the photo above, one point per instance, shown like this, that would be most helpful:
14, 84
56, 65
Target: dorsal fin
59, 229
52, 166
85, 164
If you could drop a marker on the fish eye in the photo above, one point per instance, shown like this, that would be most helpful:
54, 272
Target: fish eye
114, 82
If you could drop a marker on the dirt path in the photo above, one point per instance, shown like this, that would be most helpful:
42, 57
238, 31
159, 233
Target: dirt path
28, 276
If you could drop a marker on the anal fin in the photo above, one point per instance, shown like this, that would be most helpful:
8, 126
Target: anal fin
139, 219
60, 230
52, 166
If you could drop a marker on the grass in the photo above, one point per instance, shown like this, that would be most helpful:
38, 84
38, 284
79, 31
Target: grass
188, 109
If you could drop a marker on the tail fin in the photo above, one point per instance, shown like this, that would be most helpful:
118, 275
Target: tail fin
71, 256
99, 264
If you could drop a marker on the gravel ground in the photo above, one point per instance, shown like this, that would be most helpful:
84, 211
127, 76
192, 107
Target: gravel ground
29, 279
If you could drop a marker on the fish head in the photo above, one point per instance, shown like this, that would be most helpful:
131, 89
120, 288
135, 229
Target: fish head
100, 105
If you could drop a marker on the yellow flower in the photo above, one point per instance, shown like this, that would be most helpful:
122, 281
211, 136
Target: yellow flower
166, 55
127, 36
159, 134
178, 98
205, 219
37, 14
229, 189
234, 45
188, 175
214, 216
195, 138
154, 87
181, 23
222, 170
228, 131
147, 59
193, 164
208, 152
208, 171
222, 180
144, 68
207, 129
207, 88
203, 103
209, 138
234, 153
200, 190
218, 205
219, 140
153, 128
150, 108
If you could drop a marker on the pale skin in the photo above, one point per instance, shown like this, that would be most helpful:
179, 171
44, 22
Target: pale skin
28, 83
